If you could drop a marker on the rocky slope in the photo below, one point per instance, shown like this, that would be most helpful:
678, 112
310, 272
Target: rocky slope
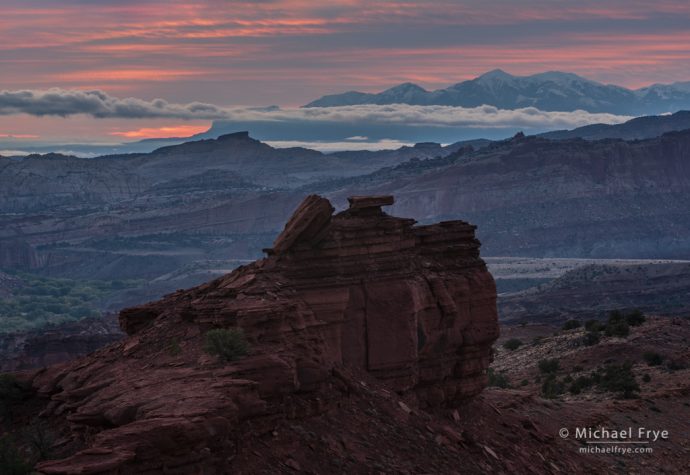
662, 401
536, 197
594, 290
361, 292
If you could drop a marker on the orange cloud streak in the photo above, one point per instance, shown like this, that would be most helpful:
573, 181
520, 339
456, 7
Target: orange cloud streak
19, 136
129, 75
162, 132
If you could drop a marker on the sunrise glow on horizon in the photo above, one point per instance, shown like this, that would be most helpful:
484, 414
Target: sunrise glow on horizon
288, 52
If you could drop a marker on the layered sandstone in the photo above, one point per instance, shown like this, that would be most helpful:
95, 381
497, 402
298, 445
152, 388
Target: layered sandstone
356, 293
56, 344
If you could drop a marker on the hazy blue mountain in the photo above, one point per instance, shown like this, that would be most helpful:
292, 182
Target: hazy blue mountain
549, 91
634, 129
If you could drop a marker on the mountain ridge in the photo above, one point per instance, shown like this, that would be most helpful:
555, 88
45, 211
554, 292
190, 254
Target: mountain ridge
547, 91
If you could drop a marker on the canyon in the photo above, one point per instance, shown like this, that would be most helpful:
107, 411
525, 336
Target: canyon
216, 203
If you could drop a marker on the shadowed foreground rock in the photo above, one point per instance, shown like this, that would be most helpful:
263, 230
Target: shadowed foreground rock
341, 299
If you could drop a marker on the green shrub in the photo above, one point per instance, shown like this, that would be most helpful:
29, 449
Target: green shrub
41, 440
653, 358
551, 387
619, 379
619, 324
498, 380
549, 365
615, 316
174, 348
591, 338
646, 378
11, 392
524, 382
594, 326
635, 318
512, 344
580, 384
676, 364
227, 344
618, 328
572, 324
11, 460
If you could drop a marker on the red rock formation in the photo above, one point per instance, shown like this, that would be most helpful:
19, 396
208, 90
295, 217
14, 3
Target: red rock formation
56, 344
360, 292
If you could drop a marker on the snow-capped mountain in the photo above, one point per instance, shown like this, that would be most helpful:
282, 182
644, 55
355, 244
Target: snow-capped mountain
549, 91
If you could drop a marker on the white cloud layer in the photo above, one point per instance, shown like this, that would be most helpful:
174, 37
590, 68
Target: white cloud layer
64, 103
328, 147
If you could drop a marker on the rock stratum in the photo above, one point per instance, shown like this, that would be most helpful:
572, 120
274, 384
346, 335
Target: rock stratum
55, 344
345, 307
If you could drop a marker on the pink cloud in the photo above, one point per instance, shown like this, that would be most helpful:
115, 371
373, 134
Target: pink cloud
19, 136
162, 132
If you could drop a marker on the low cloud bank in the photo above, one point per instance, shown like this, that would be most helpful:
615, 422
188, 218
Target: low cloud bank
98, 104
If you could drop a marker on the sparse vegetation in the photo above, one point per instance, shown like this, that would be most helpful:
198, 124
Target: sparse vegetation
549, 365
591, 338
498, 380
617, 325
653, 358
41, 440
12, 461
227, 344
594, 326
552, 387
646, 378
619, 379
675, 364
41, 301
635, 318
174, 348
572, 324
580, 383
11, 393
512, 344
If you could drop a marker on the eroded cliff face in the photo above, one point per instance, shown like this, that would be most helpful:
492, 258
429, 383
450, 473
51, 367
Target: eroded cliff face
56, 344
359, 293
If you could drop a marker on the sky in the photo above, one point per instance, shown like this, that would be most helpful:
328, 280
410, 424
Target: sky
234, 54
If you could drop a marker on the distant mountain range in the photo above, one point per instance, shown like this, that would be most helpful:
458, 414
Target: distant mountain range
635, 129
182, 213
549, 91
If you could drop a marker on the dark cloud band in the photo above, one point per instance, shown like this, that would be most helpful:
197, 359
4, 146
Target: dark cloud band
64, 103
